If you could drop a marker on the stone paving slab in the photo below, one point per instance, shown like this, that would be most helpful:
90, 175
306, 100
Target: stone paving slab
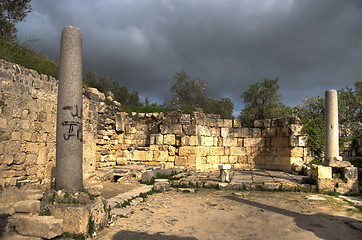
121, 198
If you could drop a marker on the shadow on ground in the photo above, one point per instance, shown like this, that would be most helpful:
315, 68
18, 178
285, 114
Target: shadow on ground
325, 226
130, 235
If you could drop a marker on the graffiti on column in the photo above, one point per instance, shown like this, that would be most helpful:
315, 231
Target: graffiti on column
74, 126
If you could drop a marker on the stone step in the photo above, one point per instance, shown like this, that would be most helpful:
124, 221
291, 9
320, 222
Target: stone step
123, 197
38, 226
27, 206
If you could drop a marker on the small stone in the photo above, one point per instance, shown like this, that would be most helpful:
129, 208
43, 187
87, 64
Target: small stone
315, 198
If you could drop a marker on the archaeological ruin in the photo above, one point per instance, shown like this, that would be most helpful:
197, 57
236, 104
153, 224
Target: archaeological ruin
60, 141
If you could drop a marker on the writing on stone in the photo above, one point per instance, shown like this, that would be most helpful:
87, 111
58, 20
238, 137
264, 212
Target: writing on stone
74, 127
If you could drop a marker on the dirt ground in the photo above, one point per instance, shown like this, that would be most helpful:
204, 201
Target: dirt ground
215, 214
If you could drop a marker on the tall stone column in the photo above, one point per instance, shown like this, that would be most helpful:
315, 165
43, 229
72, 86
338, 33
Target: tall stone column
69, 145
331, 139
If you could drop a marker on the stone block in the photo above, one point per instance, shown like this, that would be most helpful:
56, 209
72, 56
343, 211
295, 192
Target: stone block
236, 123
254, 142
38, 226
75, 217
203, 130
243, 133
217, 151
169, 139
190, 130
120, 121
171, 129
297, 152
213, 159
297, 129
351, 173
207, 141
187, 151
27, 206
185, 140
228, 123
302, 141
320, 172
225, 132
138, 155
195, 140
229, 142
238, 151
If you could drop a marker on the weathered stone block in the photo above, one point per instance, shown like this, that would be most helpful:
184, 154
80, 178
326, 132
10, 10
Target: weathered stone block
351, 173
169, 139
203, 130
187, 151
225, 132
194, 140
171, 129
321, 172
236, 123
297, 152
302, 141
217, 151
229, 142
38, 226
190, 130
297, 129
243, 132
207, 141
254, 142
238, 151
228, 123
27, 206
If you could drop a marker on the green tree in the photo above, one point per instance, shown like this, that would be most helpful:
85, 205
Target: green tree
311, 114
187, 93
224, 106
262, 101
105, 83
349, 110
12, 12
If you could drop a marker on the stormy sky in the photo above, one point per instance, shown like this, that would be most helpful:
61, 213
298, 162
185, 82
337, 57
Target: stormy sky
310, 45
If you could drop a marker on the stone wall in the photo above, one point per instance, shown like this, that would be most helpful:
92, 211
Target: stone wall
28, 103
199, 141
195, 141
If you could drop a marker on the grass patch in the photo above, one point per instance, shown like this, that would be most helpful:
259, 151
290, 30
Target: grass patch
27, 57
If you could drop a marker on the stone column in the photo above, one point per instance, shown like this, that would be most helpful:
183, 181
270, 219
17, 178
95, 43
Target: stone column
69, 145
331, 138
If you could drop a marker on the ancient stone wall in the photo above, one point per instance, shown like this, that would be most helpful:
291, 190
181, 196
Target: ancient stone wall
200, 141
27, 127
195, 141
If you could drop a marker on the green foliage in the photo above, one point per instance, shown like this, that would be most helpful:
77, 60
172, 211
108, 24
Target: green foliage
25, 56
357, 162
90, 226
316, 160
262, 101
224, 106
145, 109
189, 94
104, 83
311, 114
44, 212
349, 110
12, 12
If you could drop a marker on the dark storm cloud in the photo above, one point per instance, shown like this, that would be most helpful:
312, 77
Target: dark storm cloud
310, 45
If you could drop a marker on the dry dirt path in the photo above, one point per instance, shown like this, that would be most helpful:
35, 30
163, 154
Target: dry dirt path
215, 214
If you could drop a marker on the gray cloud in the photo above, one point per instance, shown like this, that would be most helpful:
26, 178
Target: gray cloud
309, 45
